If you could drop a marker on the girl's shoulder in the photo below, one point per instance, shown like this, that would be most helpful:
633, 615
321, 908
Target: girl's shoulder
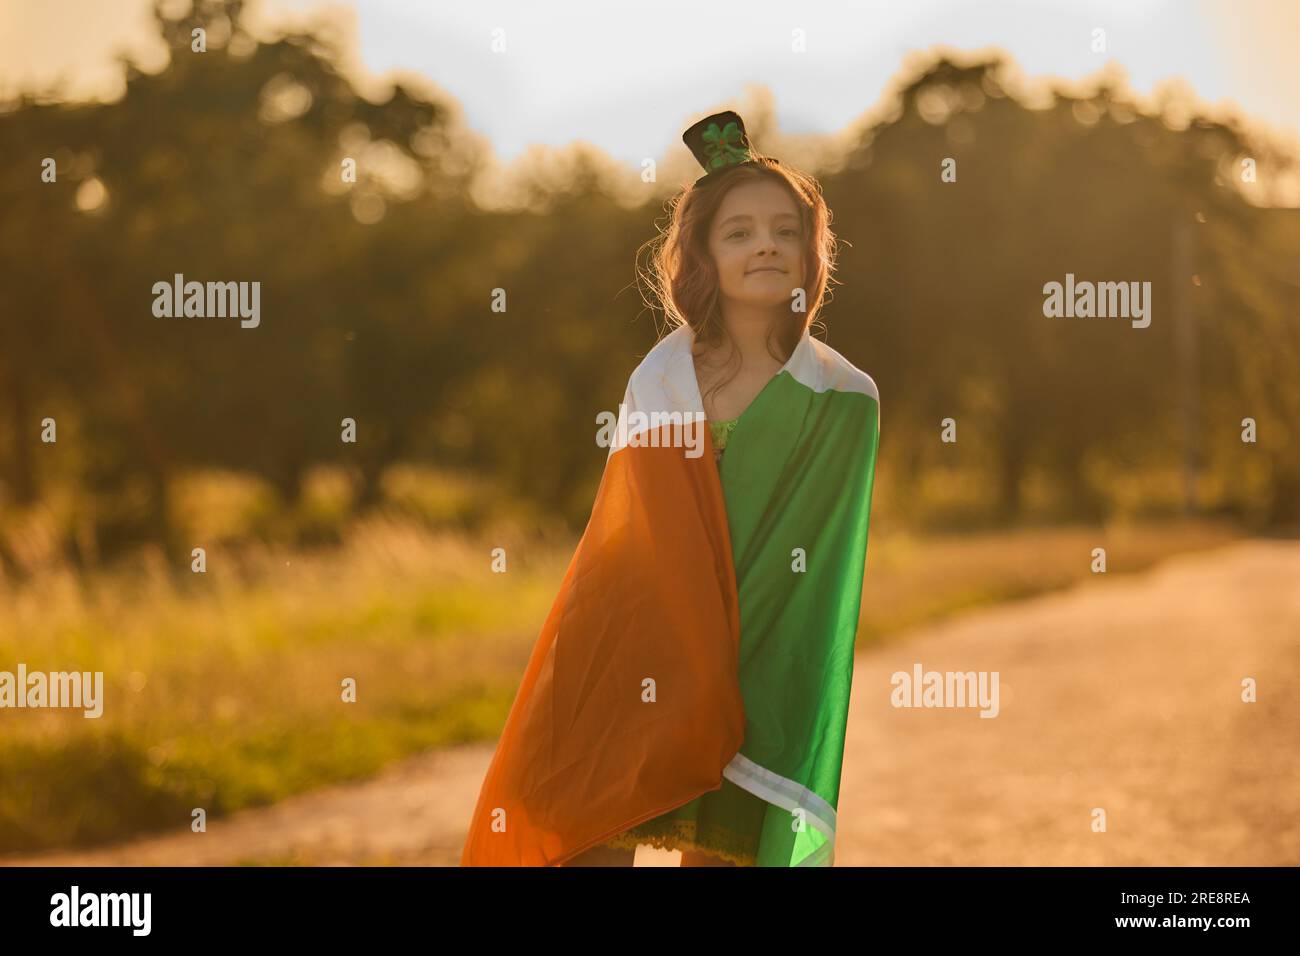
832, 371
663, 379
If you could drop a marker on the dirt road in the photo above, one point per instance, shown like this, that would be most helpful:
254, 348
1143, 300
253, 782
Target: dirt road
1121, 697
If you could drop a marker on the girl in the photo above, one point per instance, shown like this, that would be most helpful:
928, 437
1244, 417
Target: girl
725, 593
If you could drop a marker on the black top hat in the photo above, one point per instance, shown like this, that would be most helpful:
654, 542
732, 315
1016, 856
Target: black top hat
719, 142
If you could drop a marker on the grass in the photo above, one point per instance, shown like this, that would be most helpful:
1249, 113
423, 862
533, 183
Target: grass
224, 690
912, 581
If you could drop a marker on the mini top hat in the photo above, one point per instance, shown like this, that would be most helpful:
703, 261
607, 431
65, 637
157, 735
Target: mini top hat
719, 142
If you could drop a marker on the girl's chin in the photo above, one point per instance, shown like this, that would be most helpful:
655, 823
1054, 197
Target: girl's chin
771, 296
768, 283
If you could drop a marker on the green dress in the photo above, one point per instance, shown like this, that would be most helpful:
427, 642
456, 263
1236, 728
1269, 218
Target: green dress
721, 431
725, 823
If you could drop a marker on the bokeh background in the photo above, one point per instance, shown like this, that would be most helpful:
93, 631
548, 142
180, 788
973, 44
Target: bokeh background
475, 428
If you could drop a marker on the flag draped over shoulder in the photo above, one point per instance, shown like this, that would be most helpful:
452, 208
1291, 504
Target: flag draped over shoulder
705, 626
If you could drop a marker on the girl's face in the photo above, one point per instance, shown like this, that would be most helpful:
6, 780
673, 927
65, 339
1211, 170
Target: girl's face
757, 243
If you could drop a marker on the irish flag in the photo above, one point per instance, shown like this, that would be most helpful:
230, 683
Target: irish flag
705, 626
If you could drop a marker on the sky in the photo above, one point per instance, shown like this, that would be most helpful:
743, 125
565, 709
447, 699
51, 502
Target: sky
629, 77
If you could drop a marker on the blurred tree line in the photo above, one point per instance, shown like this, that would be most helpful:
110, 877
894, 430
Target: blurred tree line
376, 295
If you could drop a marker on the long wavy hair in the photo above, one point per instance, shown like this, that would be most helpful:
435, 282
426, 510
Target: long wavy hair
682, 277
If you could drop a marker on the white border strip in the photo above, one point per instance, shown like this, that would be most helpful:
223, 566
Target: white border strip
665, 383
785, 793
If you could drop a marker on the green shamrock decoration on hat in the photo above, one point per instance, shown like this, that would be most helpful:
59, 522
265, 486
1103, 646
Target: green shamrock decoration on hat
724, 146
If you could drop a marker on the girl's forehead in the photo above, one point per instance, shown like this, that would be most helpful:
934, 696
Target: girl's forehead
763, 200
764, 193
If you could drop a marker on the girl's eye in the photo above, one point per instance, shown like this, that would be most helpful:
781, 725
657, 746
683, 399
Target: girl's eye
741, 232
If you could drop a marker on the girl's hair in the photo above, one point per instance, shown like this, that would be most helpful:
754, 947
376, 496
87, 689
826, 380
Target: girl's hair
684, 280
